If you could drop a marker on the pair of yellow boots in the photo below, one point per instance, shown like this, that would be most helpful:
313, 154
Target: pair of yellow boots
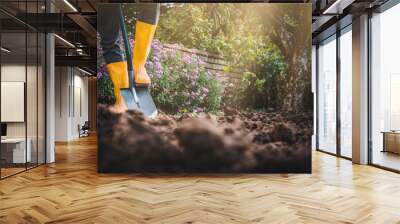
118, 71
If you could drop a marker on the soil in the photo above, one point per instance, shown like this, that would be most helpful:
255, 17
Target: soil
256, 142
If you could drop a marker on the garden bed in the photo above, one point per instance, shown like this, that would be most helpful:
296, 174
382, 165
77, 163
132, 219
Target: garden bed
237, 142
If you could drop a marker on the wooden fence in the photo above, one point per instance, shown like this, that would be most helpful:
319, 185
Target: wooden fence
215, 64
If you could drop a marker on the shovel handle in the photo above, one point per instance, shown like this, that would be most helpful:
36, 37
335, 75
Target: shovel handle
128, 50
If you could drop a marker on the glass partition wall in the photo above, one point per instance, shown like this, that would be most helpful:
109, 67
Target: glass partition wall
334, 93
22, 77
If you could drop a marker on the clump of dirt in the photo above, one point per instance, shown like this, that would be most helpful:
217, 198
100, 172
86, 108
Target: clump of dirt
240, 142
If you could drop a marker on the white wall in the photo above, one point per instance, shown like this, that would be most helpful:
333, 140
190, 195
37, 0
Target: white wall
80, 110
71, 102
16, 73
33, 126
12, 73
61, 103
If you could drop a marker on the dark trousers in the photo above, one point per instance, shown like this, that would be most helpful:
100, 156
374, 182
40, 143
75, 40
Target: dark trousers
109, 26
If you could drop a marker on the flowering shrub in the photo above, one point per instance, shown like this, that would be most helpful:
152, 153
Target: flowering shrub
105, 89
180, 82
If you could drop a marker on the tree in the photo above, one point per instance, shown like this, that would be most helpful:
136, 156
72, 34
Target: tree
289, 29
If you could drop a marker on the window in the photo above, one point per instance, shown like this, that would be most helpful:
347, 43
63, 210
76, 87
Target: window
327, 95
346, 92
385, 88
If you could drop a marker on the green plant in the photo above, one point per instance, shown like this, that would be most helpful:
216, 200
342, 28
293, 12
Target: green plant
244, 92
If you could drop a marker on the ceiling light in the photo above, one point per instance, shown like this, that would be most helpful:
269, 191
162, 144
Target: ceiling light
84, 71
5, 50
65, 41
70, 5
79, 51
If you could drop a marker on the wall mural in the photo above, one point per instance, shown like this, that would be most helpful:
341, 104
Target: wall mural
204, 88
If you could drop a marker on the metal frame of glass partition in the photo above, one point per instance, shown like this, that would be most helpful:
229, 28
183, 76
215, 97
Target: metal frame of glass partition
382, 8
337, 34
43, 55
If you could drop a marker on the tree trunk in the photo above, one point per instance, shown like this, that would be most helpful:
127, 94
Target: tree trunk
294, 88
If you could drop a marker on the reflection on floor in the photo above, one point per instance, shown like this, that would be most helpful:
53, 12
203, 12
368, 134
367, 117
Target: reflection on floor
9, 170
346, 152
386, 159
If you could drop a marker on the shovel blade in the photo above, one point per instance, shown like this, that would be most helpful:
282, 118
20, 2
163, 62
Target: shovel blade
129, 99
146, 103
139, 98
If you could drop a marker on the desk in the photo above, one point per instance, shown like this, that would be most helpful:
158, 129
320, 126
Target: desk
13, 150
391, 141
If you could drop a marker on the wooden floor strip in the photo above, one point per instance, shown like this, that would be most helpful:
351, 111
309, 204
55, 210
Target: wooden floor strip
71, 191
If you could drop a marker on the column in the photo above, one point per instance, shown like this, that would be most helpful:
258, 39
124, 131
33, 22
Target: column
360, 90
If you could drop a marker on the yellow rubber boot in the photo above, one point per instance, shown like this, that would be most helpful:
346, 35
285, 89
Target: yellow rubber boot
143, 37
118, 72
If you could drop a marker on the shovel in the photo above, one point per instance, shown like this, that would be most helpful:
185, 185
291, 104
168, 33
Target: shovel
135, 97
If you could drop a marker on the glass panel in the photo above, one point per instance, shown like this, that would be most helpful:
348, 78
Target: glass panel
327, 96
23, 89
385, 93
346, 93
41, 99
32, 89
31, 98
13, 87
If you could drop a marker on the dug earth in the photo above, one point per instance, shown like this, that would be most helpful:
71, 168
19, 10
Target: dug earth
253, 142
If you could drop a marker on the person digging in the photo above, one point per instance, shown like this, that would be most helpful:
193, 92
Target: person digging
117, 67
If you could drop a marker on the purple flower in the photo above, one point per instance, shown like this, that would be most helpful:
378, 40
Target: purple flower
158, 67
187, 59
99, 75
157, 57
103, 68
201, 62
156, 45
194, 76
149, 63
